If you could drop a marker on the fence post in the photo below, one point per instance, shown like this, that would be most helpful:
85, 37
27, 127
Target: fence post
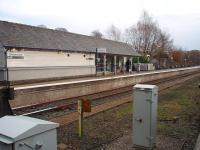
80, 121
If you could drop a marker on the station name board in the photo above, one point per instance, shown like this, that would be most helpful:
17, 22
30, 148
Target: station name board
15, 56
101, 50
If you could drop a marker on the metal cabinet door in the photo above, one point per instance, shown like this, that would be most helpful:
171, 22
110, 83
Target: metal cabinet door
142, 118
154, 104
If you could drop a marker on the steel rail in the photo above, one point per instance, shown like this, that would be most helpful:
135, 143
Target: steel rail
96, 97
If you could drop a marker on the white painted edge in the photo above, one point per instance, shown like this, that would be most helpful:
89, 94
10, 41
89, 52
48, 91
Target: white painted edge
101, 79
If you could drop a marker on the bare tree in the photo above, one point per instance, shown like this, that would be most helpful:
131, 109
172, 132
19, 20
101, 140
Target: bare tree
146, 36
132, 37
165, 42
61, 29
114, 33
193, 57
97, 34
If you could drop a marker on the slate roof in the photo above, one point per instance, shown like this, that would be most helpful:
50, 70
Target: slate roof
24, 36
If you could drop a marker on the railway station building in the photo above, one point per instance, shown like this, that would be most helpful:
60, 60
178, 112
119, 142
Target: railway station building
32, 53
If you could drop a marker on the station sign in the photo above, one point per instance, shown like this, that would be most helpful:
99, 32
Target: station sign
86, 106
15, 56
101, 50
89, 58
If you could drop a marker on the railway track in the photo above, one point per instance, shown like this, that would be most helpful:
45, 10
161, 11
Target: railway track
97, 98
100, 102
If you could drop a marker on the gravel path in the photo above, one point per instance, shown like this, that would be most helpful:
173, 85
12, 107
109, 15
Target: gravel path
163, 143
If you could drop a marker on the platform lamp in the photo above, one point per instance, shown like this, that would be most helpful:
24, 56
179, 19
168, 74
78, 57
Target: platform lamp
6, 92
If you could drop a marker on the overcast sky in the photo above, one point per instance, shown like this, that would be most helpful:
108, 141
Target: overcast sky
181, 18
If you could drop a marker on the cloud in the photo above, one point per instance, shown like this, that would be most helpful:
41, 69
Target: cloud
83, 16
183, 28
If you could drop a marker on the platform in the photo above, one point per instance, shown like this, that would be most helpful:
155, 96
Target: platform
63, 89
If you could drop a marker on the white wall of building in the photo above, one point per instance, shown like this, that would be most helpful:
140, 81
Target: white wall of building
42, 64
43, 59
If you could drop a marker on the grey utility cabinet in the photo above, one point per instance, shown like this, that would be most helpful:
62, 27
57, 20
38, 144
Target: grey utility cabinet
144, 115
26, 133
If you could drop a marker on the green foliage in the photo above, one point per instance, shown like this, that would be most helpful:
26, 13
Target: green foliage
128, 109
142, 59
168, 110
182, 103
135, 59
